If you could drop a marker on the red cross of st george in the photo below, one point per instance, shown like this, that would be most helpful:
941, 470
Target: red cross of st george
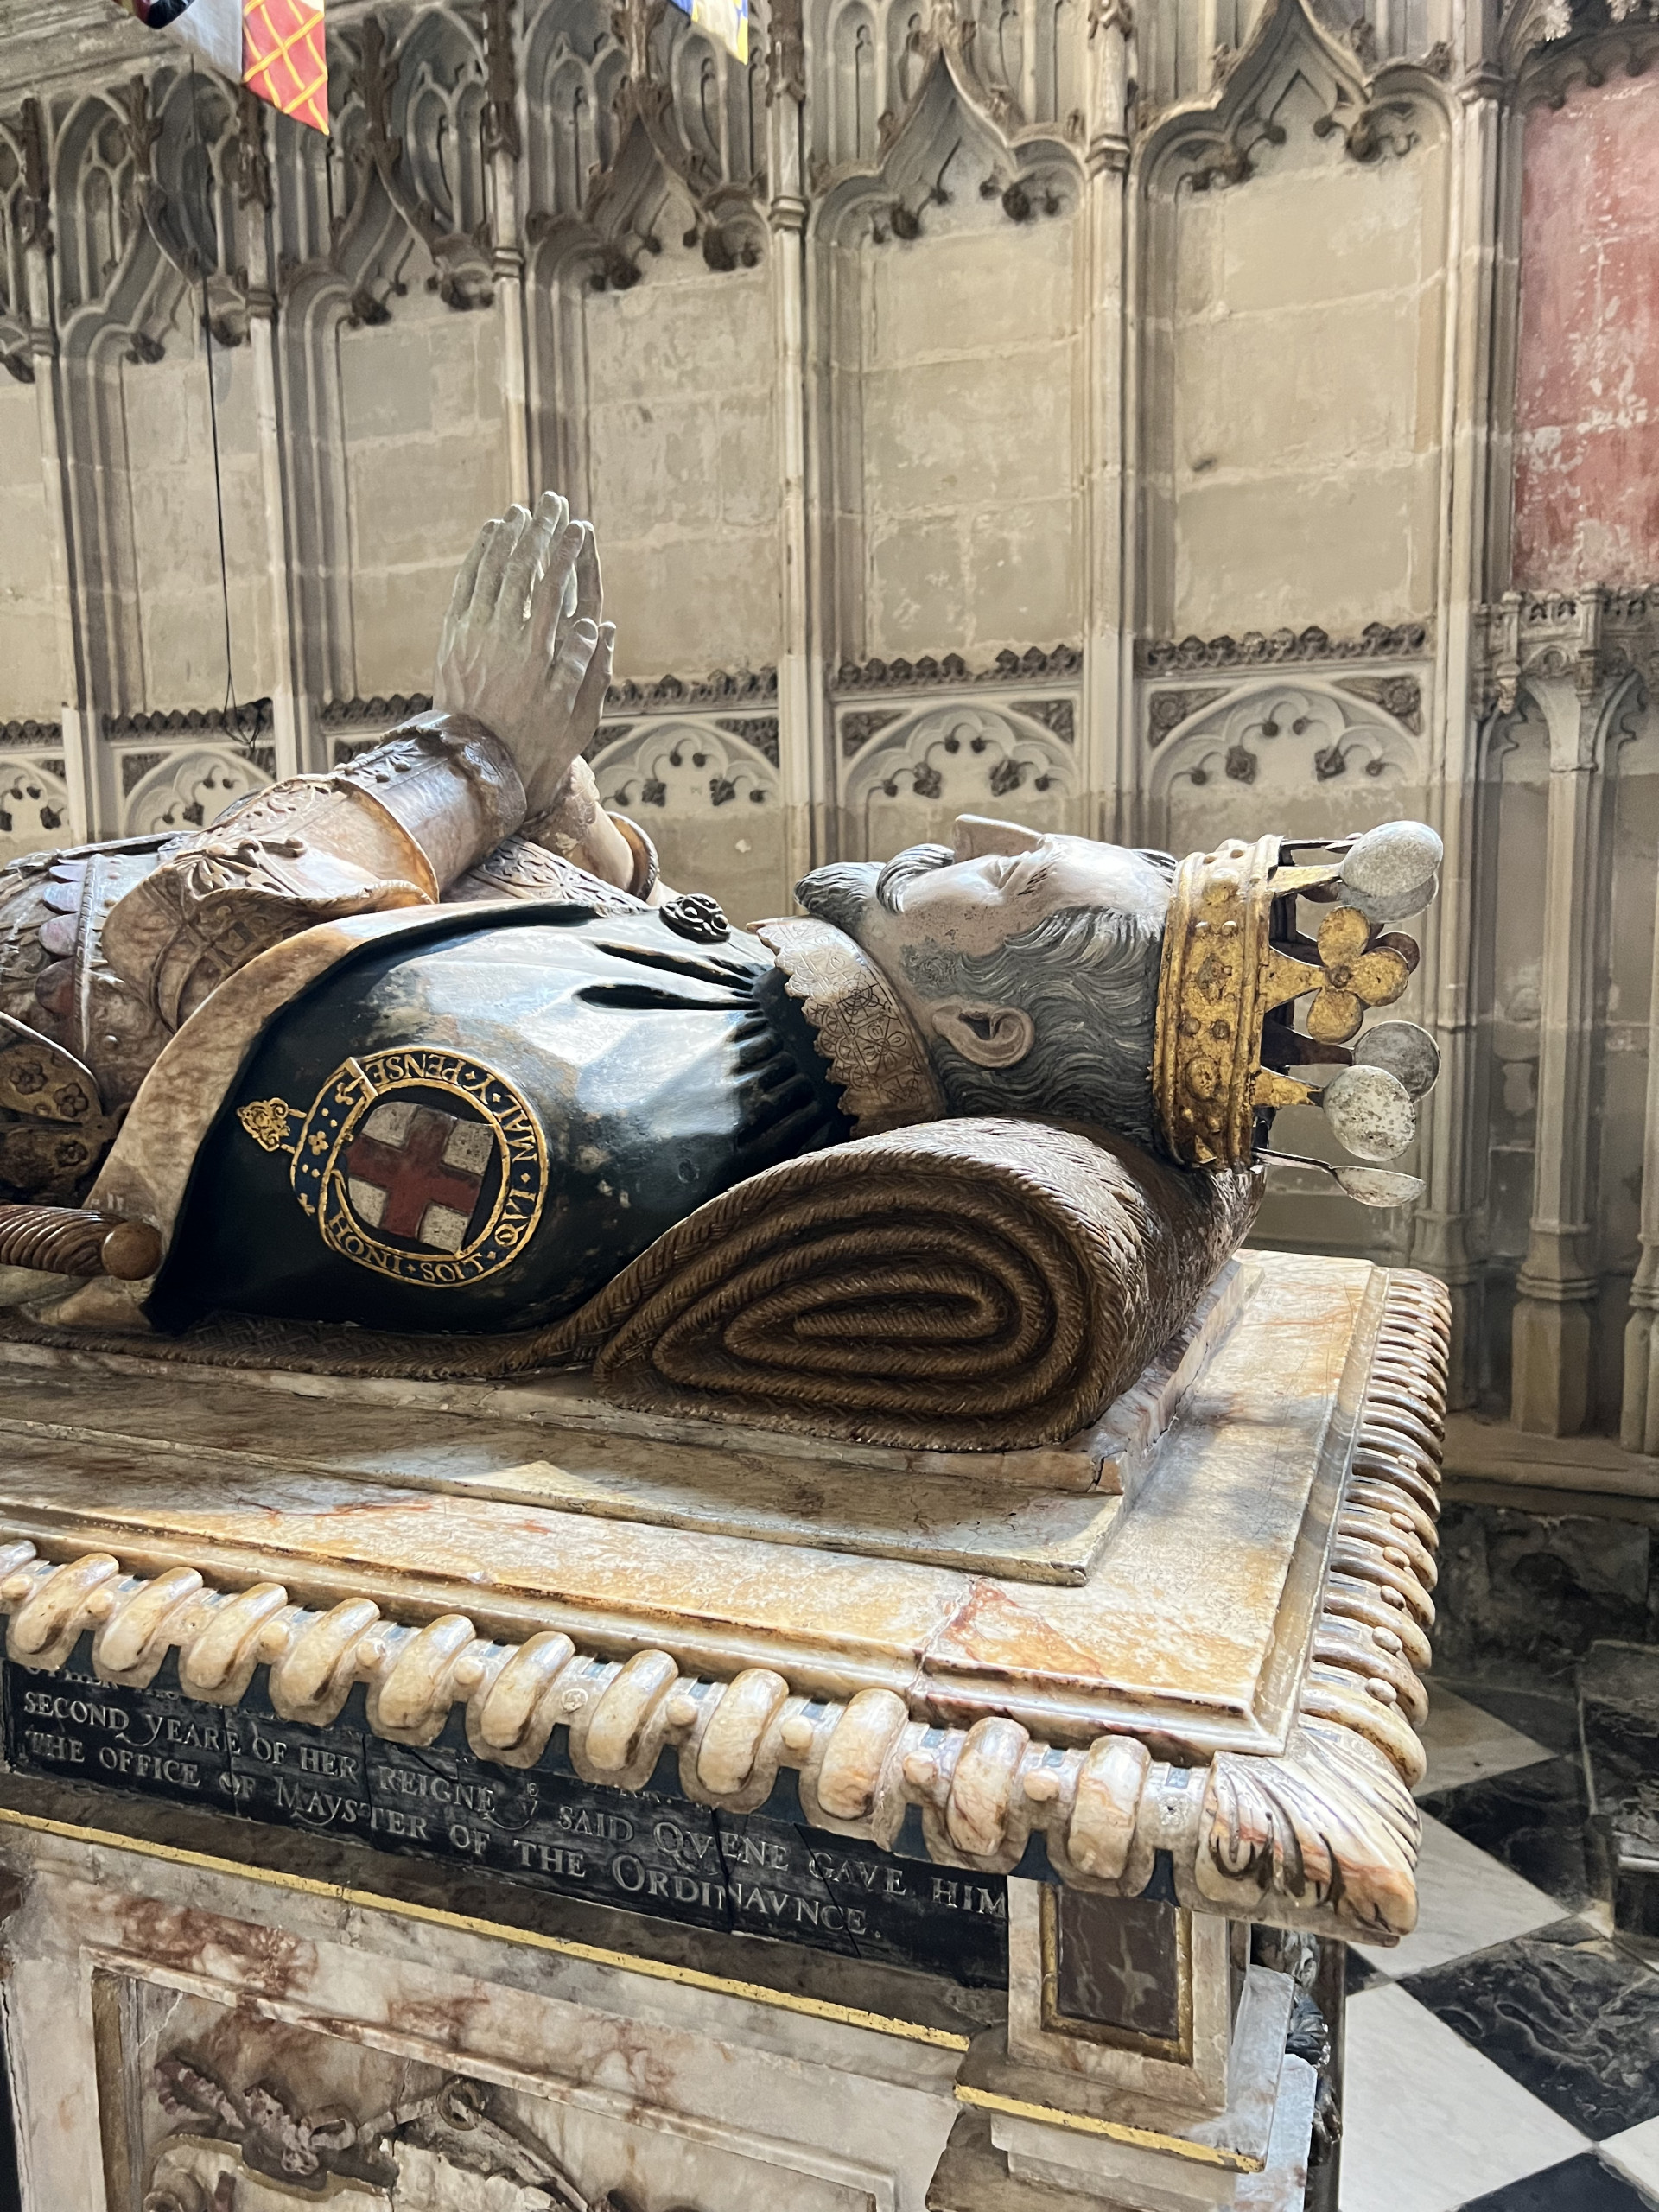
414, 1174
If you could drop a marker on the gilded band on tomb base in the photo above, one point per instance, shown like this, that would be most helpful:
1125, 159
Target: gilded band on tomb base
465, 1924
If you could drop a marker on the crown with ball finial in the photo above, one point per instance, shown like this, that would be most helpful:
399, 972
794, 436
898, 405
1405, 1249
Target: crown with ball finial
1235, 964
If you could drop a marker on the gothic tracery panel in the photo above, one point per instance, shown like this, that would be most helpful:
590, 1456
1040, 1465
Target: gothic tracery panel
909, 783
706, 790
34, 806
186, 791
1306, 757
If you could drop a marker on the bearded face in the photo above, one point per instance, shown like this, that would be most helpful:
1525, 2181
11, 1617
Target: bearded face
1029, 961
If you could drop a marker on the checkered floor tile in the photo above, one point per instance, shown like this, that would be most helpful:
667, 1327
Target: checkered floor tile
1505, 2057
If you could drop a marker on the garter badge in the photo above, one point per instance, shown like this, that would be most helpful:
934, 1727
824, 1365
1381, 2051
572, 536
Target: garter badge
419, 1163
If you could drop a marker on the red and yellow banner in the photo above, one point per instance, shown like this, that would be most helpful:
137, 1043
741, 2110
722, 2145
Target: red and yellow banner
284, 59
275, 46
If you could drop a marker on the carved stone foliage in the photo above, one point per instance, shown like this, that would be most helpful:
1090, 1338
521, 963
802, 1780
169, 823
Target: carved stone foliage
690, 767
1019, 70
1293, 737
144, 177
186, 790
735, 686
1602, 40
1398, 695
636, 122
350, 725
404, 189
24, 221
1371, 103
422, 2149
1256, 649
1035, 666
1167, 710
929, 108
1559, 47
960, 759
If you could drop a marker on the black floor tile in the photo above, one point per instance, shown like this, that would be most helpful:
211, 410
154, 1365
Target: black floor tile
1582, 2184
1535, 1819
1360, 1973
1550, 1717
1566, 2013
1618, 1708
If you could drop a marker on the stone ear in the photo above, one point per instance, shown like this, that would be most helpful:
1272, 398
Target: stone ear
990, 1036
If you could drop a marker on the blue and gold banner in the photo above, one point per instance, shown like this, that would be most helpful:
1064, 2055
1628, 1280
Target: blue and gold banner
725, 21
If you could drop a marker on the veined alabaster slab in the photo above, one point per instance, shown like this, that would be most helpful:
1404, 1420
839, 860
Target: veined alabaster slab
1228, 1677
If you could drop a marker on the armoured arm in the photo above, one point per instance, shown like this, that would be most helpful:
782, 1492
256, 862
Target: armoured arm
389, 830
523, 665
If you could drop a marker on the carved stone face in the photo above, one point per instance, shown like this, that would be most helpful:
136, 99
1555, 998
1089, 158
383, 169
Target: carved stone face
1029, 960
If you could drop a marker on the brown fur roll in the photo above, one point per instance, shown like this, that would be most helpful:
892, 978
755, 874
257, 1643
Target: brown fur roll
970, 1284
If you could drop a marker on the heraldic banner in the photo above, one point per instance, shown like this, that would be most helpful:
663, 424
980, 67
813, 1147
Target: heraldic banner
273, 47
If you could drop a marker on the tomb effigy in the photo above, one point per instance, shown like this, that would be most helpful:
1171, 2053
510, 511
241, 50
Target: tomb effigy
656, 1564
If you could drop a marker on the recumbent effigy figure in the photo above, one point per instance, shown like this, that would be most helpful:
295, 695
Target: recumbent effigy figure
423, 1046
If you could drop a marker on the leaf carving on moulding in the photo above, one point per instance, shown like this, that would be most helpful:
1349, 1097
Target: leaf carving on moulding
1058, 715
1327, 1826
858, 725
1225, 154
1591, 53
464, 2128
654, 156
406, 167
1375, 127
135, 766
1257, 648
34, 806
1401, 697
1036, 665
1167, 710
759, 730
671, 692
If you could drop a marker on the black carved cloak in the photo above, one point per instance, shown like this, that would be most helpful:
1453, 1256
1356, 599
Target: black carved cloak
476, 1126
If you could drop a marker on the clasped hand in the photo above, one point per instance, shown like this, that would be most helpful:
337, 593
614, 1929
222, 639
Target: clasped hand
524, 650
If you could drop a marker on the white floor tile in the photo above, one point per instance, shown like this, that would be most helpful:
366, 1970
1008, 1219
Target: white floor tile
1467, 1900
1427, 2122
1636, 2155
1463, 1743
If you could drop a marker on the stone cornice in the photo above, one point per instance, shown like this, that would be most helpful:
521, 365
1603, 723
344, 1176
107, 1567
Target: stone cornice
1593, 636
1322, 1836
1282, 648
949, 671
724, 687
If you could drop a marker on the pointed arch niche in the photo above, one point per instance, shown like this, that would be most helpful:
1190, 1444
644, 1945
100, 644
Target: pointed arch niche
1292, 341
654, 368
949, 286
410, 349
